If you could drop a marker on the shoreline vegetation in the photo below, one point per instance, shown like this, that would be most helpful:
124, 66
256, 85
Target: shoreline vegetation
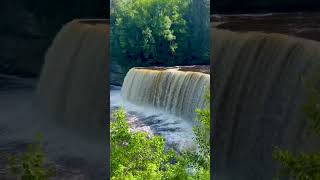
160, 33
303, 165
136, 156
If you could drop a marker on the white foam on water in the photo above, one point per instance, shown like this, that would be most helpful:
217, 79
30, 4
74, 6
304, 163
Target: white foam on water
176, 131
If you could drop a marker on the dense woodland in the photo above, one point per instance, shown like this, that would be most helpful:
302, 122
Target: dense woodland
166, 32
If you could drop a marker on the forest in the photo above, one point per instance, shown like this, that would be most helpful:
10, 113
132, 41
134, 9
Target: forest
166, 32
162, 33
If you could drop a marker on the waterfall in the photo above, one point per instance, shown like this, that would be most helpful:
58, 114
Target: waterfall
258, 92
173, 91
72, 86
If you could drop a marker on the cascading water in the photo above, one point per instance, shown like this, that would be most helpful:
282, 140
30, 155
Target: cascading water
68, 107
176, 92
258, 92
162, 101
72, 87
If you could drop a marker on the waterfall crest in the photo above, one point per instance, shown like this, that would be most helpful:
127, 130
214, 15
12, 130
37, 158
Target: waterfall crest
72, 86
258, 92
176, 92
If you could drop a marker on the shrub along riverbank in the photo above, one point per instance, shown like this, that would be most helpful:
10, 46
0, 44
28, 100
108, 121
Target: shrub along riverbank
136, 156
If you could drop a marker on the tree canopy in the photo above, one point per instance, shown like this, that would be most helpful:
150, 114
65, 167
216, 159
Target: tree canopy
160, 32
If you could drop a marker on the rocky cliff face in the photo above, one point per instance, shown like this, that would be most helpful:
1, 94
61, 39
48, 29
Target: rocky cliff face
117, 73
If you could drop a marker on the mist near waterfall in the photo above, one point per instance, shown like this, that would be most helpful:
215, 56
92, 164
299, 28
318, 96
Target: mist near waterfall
71, 89
67, 104
259, 91
176, 92
162, 102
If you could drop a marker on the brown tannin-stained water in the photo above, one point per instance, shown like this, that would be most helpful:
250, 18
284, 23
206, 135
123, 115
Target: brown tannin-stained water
162, 102
67, 105
259, 91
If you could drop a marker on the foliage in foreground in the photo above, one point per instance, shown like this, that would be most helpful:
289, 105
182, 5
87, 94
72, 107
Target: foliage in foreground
136, 156
30, 165
303, 166
202, 130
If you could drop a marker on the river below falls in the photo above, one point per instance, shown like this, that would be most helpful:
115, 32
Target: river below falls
18, 128
176, 131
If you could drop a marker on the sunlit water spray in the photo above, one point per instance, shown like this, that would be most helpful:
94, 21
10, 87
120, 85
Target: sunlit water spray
162, 102
176, 131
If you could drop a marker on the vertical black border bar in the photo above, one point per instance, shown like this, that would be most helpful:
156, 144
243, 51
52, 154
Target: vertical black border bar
107, 75
212, 89
212, 120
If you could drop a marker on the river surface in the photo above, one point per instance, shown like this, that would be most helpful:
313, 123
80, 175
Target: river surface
176, 131
299, 24
72, 156
259, 91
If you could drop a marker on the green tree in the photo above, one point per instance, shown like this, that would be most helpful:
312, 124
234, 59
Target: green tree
30, 165
136, 156
202, 129
201, 160
198, 22
148, 32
